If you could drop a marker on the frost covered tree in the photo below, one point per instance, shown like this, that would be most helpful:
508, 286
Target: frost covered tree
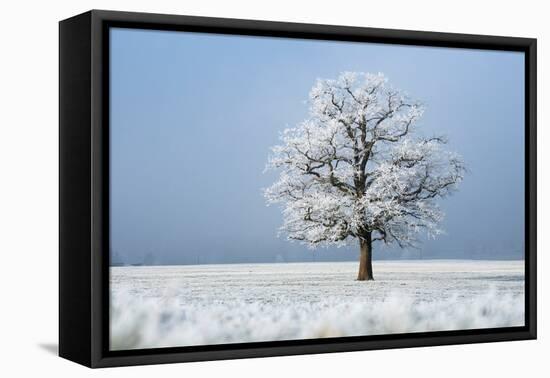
358, 171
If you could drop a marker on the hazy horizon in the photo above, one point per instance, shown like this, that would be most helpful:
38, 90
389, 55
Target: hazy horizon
193, 117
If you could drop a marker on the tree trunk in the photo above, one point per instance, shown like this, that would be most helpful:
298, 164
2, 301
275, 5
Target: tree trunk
365, 259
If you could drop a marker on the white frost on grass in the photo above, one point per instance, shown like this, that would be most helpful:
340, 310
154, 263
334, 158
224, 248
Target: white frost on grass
212, 304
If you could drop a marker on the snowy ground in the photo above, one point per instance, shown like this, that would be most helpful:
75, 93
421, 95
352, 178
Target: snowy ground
210, 304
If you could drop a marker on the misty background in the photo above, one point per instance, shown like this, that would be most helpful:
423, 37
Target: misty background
193, 117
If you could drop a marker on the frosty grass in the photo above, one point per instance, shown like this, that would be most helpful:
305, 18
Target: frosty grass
164, 306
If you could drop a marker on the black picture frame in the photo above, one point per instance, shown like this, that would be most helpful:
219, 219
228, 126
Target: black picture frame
84, 187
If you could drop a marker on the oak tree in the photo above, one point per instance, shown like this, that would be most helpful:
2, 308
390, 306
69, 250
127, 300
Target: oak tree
358, 170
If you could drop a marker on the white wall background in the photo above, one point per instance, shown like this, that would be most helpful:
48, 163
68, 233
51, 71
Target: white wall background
29, 188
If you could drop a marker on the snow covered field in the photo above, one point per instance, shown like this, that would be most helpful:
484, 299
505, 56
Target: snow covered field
163, 306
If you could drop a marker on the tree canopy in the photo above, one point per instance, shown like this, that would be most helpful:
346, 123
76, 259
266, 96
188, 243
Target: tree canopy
358, 167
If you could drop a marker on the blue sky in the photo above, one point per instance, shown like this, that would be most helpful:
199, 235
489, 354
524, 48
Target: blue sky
193, 117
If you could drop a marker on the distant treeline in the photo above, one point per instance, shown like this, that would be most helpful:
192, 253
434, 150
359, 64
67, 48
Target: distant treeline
320, 255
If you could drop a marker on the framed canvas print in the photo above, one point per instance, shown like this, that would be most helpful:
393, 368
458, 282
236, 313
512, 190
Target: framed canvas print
234, 188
